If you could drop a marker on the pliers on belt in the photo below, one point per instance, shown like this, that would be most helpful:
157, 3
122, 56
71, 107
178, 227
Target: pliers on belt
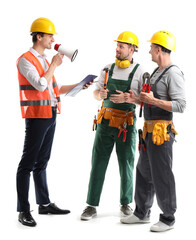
124, 130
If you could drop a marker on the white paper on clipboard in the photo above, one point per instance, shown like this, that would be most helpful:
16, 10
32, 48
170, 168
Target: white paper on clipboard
89, 78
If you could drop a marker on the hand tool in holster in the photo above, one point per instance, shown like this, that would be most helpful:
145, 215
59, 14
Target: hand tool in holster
95, 123
169, 132
141, 141
145, 87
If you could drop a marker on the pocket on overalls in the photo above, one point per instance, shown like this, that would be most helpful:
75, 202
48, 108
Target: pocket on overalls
130, 118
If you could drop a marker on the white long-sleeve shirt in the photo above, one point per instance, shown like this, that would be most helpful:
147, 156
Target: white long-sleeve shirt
29, 71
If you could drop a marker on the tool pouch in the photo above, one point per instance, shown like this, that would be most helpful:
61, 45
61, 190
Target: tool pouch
100, 116
159, 130
117, 120
117, 117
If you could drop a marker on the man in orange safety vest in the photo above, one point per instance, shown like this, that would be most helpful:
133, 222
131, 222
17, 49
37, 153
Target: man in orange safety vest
39, 101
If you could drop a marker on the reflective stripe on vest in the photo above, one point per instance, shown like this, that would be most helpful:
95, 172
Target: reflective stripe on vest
26, 87
34, 103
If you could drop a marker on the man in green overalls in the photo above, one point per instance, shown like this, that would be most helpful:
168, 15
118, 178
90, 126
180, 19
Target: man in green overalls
116, 124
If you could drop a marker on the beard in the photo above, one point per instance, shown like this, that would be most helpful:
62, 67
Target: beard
121, 58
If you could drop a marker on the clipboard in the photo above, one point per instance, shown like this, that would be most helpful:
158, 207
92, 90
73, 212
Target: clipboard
89, 78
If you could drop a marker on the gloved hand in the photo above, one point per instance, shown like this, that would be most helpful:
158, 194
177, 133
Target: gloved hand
159, 134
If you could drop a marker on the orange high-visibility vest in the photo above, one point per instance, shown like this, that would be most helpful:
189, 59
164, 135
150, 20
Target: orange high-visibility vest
34, 103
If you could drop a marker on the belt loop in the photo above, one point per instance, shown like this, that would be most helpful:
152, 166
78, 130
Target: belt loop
54, 108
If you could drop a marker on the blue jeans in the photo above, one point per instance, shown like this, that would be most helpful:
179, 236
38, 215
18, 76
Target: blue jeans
36, 154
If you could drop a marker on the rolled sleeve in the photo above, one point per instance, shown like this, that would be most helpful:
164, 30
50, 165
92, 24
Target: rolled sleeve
43, 81
178, 106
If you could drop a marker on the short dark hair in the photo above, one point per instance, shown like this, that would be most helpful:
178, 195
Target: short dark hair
134, 46
163, 48
34, 36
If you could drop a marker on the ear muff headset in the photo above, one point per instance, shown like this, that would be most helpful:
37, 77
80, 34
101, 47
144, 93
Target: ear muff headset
123, 63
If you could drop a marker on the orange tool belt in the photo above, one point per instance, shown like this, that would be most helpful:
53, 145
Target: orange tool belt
118, 119
159, 130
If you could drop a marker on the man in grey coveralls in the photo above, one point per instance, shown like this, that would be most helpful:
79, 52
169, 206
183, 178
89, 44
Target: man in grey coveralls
154, 169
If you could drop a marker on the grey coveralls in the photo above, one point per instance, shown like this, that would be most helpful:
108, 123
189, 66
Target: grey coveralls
154, 170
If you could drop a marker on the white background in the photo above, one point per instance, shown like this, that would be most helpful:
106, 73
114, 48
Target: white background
91, 26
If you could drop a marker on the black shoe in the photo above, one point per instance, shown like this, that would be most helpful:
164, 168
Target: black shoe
52, 209
26, 219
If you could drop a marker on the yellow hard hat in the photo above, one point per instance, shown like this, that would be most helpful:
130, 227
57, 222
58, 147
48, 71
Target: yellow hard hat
165, 39
128, 37
43, 25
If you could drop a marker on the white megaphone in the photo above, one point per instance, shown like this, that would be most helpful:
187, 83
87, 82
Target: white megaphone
70, 53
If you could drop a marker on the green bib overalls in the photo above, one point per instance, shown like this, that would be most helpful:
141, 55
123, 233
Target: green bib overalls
105, 139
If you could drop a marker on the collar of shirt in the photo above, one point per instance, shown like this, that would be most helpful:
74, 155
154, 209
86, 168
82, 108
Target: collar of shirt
41, 58
45, 66
36, 54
